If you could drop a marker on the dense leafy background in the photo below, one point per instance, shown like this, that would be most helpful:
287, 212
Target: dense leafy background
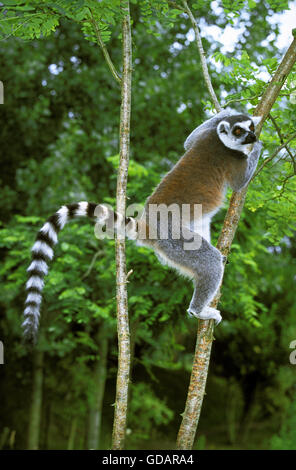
59, 144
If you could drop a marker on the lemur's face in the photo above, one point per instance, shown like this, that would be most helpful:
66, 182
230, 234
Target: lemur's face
237, 131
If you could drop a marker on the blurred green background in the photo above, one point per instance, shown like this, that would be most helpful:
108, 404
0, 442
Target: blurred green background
59, 144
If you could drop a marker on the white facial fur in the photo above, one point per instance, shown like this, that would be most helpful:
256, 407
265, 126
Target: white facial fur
256, 120
196, 134
231, 141
245, 125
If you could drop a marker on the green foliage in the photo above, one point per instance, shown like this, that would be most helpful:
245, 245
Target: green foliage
154, 410
233, 8
286, 439
34, 19
60, 144
155, 11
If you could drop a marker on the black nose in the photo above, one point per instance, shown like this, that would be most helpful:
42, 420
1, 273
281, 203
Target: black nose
250, 138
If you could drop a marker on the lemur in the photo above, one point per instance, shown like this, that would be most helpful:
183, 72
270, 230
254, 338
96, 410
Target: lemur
219, 153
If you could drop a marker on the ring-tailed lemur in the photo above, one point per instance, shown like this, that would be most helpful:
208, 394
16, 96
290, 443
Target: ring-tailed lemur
217, 155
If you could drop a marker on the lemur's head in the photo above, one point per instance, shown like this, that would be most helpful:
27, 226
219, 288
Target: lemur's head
236, 131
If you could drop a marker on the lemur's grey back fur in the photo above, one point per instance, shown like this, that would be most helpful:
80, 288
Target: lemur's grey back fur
210, 123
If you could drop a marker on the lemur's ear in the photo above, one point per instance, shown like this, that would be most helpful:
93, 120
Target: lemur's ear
256, 120
223, 127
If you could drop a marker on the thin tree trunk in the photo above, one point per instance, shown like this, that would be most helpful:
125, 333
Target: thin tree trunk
233, 409
99, 379
36, 404
72, 434
120, 415
46, 432
250, 415
199, 373
4, 437
12, 439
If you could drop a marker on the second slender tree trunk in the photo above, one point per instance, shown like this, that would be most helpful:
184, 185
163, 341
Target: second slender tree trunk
99, 379
36, 404
197, 385
72, 434
186, 435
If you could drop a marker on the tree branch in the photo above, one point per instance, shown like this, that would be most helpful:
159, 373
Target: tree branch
283, 183
274, 87
198, 378
94, 259
122, 383
104, 49
282, 140
176, 5
267, 160
202, 55
234, 100
201, 51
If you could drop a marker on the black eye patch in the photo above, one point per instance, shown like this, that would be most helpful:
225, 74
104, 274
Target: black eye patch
222, 128
252, 127
237, 131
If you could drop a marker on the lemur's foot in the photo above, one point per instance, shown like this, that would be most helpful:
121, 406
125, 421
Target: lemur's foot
208, 313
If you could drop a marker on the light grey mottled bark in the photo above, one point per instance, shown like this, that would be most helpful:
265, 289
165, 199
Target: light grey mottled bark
122, 384
199, 373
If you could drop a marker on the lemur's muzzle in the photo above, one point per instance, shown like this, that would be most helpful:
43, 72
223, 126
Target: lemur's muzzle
251, 137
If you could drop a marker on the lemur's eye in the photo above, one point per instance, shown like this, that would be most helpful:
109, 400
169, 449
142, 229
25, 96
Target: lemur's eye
252, 127
237, 131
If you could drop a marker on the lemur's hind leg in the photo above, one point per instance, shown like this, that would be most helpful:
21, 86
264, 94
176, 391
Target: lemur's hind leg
204, 264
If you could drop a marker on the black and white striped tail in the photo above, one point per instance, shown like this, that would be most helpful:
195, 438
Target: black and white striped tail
42, 253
